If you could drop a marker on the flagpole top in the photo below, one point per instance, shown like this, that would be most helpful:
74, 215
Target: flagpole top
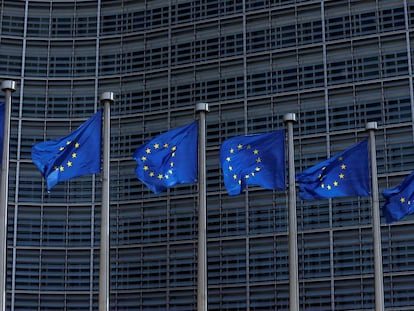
202, 107
290, 117
8, 85
371, 126
107, 96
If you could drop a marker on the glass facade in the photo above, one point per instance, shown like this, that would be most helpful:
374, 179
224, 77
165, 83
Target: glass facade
337, 64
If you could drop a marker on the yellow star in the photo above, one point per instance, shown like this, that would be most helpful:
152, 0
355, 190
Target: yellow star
249, 147
402, 200
144, 158
152, 174
61, 168
255, 151
171, 164
239, 181
173, 154
174, 148
341, 176
257, 169
159, 176
61, 148
166, 145
68, 142
322, 186
340, 158
240, 146
148, 151
329, 187
343, 166
77, 145
258, 160
228, 159
69, 164
230, 168
246, 176
146, 168
335, 183
231, 150
156, 146
234, 176
74, 155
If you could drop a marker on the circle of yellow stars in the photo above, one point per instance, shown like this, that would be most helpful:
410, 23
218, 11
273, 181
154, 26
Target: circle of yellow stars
254, 171
336, 182
74, 155
404, 200
155, 148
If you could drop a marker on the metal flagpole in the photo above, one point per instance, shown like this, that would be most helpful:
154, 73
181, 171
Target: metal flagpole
376, 228
289, 119
107, 98
8, 86
202, 108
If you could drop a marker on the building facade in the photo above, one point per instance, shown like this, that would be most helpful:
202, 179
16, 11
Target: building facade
336, 64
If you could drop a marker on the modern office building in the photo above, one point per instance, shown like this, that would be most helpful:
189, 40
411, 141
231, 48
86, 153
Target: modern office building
336, 64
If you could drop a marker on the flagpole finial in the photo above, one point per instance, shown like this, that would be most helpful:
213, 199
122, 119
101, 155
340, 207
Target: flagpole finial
290, 117
202, 107
8, 85
107, 96
371, 126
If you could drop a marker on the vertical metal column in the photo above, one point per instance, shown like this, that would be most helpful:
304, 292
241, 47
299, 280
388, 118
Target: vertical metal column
107, 98
8, 86
202, 108
289, 119
376, 225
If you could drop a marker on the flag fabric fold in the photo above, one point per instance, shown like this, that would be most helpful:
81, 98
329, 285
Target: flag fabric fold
254, 160
345, 174
399, 201
168, 159
76, 154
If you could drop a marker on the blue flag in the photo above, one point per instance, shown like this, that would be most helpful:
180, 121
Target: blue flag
76, 154
345, 174
399, 201
169, 159
1, 129
254, 160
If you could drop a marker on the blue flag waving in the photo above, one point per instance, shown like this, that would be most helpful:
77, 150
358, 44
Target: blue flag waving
399, 201
1, 129
169, 159
254, 160
76, 154
345, 174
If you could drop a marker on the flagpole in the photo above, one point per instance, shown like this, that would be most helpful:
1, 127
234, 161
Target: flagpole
8, 87
289, 119
376, 224
202, 108
107, 98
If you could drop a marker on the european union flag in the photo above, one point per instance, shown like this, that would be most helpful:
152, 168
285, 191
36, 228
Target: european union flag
1, 129
399, 201
76, 154
169, 159
254, 160
345, 174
